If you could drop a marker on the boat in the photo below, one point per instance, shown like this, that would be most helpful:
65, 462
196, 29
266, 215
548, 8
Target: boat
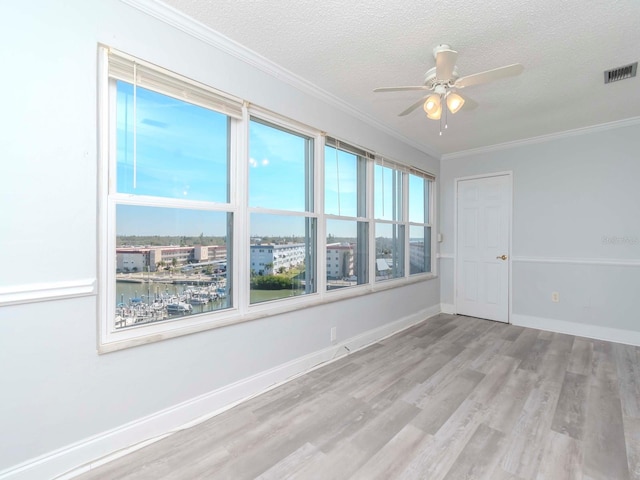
199, 300
180, 307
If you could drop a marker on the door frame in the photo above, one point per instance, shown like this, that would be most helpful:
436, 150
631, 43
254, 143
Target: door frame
456, 181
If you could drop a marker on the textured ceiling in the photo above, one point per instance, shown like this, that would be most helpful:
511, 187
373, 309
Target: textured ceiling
348, 48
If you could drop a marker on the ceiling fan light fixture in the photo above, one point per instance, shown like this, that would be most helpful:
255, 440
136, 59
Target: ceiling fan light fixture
435, 115
432, 105
454, 102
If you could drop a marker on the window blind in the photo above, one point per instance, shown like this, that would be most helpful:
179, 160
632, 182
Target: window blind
404, 168
339, 144
142, 74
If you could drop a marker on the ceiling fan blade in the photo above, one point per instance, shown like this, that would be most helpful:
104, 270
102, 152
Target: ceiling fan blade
401, 89
469, 104
489, 75
445, 62
413, 107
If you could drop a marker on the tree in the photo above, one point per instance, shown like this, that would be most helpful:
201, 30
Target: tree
271, 282
174, 264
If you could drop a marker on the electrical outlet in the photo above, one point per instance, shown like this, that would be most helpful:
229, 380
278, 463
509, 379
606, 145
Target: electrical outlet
555, 297
333, 335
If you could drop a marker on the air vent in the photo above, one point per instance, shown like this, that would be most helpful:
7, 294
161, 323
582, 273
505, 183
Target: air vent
620, 73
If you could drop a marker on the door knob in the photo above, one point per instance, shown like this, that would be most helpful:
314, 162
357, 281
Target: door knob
502, 257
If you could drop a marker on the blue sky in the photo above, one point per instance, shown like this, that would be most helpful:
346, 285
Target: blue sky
181, 148
340, 172
276, 168
137, 220
181, 152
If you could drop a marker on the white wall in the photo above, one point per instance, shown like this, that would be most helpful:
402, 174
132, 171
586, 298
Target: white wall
56, 391
576, 230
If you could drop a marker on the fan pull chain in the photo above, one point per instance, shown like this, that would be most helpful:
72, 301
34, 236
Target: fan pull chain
445, 108
442, 107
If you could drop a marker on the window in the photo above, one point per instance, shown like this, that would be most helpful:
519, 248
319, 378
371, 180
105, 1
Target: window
419, 227
389, 229
402, 200
171, 149
195, 235
169, 145
281, 160
168, 281
345, 207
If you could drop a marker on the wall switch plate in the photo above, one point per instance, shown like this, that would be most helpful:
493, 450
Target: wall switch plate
333, 335
555, 297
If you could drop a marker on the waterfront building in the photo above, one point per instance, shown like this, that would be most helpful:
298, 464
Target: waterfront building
340, 260
416, 256
272, 258
138, 259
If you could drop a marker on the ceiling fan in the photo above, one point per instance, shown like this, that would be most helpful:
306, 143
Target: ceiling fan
443, 81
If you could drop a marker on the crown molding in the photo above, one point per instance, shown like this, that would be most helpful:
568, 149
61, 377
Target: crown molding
543, 138
192, 27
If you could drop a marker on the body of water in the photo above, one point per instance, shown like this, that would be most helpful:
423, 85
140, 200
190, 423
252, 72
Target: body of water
130, 294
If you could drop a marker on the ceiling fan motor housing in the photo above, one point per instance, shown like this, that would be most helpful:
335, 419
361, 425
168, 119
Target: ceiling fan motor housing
430, 79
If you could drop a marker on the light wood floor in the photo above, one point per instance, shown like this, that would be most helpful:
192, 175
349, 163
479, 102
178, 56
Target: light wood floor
453, 398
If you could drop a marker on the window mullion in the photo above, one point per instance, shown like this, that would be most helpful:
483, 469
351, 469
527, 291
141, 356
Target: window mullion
371, 219
433, 221
405, 220
241, 225
321, 223
144, 200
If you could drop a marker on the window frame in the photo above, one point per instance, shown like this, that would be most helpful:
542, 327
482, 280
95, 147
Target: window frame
110, 338
241, 310
311, 212
428, 223
364, 202
399, 214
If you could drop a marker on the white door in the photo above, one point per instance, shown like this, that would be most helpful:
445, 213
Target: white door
482, 250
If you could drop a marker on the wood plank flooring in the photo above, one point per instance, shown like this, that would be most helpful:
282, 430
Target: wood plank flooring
451, 398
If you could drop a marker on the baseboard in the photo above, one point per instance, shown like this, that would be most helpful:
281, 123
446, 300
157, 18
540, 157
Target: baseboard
449, 308
597, 332
89, 453
371, 336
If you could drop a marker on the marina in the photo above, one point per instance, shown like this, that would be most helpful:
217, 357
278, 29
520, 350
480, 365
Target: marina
141, 303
